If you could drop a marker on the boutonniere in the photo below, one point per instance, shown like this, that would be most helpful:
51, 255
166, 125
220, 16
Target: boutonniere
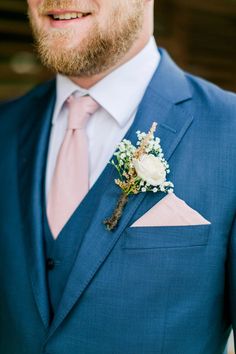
141, 168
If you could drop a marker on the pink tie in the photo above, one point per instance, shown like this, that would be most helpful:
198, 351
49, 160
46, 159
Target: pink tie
70, 182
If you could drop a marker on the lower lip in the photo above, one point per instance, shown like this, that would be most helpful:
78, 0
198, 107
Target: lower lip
66, 23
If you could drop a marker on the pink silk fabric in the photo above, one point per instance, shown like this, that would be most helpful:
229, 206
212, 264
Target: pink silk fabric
170, 211
70, 182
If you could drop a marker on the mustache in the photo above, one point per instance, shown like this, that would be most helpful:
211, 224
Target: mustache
80, 6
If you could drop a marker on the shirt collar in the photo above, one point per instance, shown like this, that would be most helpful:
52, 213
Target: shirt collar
120, 92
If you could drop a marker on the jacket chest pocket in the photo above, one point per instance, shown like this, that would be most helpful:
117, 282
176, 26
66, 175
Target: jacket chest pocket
165, 237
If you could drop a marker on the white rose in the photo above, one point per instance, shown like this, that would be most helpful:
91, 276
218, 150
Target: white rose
150, 169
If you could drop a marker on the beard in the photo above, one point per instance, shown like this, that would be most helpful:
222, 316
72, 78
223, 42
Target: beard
99, 51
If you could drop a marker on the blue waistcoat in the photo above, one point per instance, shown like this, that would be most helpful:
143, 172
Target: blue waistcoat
59, 257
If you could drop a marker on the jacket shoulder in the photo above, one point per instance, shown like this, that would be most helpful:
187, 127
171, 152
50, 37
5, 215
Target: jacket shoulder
212, 99
214, 112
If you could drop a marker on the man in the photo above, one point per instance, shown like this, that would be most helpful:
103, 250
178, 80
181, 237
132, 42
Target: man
163, 281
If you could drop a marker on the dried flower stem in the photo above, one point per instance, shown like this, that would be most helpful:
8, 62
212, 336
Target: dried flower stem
112, 222
141, 150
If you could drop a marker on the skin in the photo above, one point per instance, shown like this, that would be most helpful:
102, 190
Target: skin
76, 31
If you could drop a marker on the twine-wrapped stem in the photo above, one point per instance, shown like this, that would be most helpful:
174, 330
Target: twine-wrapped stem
112, 221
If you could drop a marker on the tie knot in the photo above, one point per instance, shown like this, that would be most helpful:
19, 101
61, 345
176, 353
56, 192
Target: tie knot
80, 110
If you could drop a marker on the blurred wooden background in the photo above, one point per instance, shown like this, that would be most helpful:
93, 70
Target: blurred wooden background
200, 36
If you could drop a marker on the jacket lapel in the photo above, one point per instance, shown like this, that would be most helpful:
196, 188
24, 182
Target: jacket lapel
33, 141
161, 103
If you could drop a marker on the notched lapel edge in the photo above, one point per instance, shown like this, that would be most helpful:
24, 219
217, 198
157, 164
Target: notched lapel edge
32, 142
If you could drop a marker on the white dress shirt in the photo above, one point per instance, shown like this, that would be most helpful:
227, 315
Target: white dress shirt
118, 95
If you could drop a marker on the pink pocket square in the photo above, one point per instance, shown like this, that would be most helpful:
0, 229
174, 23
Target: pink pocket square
171, 211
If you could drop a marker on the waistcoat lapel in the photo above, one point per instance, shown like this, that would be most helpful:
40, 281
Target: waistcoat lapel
33, 142
161, 103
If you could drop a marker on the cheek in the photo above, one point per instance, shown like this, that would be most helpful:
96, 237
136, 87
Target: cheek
107, 15
34, 3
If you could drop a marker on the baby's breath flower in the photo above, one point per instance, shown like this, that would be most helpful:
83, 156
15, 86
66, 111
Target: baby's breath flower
162, 188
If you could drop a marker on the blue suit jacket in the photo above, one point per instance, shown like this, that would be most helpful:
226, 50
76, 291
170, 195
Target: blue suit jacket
162, 290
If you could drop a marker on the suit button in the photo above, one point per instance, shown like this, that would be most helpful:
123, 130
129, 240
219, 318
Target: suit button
50, 264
